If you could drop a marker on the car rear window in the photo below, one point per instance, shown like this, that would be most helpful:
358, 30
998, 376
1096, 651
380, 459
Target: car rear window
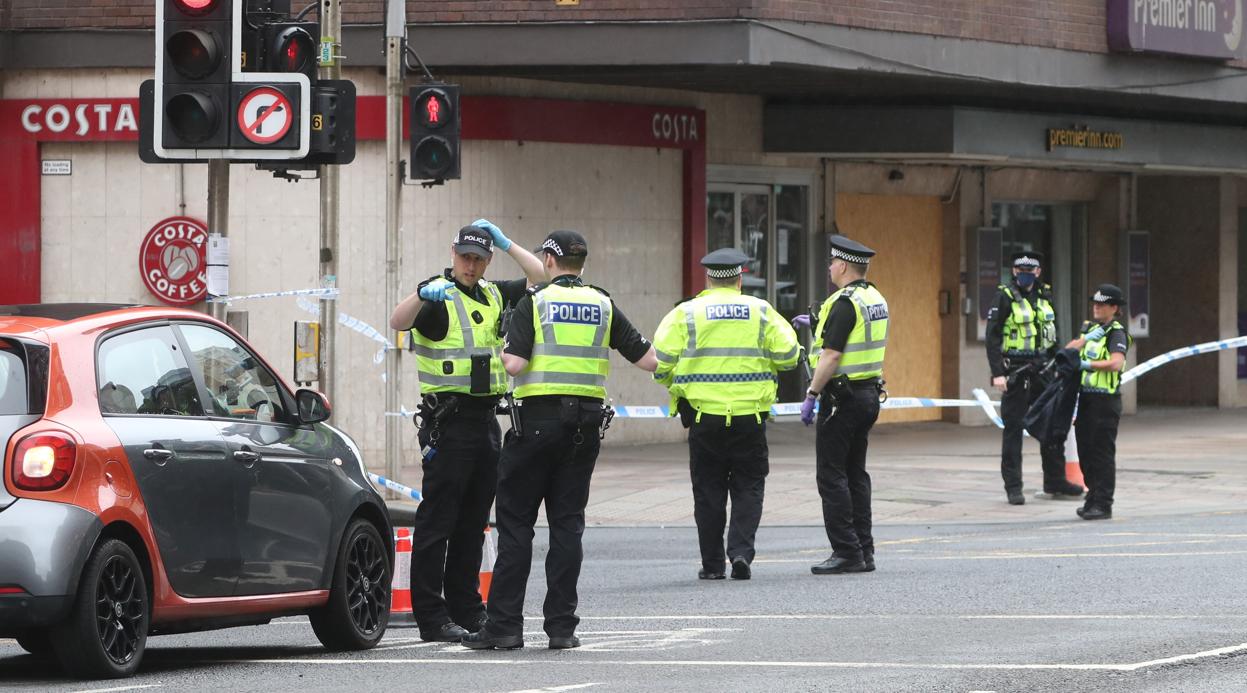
23, 377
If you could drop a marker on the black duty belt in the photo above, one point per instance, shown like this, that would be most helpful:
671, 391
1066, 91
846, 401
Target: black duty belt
548, 405
867, 384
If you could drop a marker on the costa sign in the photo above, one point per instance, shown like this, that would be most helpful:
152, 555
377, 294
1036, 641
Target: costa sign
173, 261
79, 119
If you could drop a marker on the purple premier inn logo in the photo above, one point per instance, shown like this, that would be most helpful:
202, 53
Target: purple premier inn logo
1196, 28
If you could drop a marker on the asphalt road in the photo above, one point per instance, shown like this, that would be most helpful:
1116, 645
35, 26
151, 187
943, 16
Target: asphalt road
1141, 605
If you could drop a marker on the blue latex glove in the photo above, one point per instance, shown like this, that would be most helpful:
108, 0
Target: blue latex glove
807, 410
435, 290
1096, 333
500, 240
1085, 365
802, 320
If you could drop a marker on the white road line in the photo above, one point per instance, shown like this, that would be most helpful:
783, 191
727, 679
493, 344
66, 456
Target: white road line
119, 688
557, 689
709, 663
846, 617
1020, 554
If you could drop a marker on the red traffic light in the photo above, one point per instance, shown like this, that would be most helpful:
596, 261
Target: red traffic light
193, 53
195, 7
433, 109
290, 48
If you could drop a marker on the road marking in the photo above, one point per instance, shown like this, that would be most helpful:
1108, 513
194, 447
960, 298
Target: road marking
706, 663
846, 617
556, 689
1020, 554
120, 688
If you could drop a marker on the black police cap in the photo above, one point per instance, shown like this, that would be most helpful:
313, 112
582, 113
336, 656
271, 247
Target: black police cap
850, 250
1028, 258
565, 243
724, 263
1109, 293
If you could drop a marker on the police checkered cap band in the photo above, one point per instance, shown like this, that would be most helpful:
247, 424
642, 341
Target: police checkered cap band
1026, 261
1102, 298
723, 273
552, 246
850, 257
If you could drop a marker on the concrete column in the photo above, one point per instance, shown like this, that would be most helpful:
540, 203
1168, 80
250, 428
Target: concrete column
1227, 290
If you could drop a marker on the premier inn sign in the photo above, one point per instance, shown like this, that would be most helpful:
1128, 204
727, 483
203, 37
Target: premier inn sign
1196, 28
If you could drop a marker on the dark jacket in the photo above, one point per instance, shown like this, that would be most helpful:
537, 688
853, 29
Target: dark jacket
1048, 419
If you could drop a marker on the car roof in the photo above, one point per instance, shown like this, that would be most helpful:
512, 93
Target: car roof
61, 312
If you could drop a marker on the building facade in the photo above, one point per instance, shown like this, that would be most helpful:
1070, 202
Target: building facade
945, 135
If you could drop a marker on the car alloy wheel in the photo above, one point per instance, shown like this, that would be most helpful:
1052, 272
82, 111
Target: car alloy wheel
119, 610
358, 609
367, 588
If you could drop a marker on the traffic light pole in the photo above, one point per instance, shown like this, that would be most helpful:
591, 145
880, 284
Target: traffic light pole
330, 193
395, 29
218, 215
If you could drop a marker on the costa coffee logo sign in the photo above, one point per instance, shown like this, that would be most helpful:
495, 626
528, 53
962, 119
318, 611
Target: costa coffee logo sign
80, 119
173, 261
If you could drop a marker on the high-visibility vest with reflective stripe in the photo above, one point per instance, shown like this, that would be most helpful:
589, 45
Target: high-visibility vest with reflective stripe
1103, 382
724, 367
1029, 329
571, 343
863, 352
446, 365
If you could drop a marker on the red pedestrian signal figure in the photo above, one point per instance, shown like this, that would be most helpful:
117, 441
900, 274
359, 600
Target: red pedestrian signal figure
433, 107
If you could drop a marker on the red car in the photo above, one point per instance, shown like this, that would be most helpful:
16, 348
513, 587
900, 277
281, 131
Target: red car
159, 477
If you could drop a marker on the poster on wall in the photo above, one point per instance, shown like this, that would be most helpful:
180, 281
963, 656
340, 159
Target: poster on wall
1138, 272
171, 260
987, 253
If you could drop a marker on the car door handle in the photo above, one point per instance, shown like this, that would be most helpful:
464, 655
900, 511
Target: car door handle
247, 457
158, 455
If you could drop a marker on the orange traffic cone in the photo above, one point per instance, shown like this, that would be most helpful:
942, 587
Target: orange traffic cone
400, 588
489, 553
1073, 469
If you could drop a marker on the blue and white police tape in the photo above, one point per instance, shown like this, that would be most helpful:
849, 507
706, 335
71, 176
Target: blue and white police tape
395, 486
322, 293
355, 325
1185, 352
641, 411
1134, 373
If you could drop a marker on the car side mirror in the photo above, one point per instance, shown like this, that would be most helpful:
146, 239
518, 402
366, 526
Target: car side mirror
313, 406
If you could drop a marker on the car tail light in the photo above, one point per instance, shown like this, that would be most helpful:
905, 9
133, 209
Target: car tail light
43, 461
11, 589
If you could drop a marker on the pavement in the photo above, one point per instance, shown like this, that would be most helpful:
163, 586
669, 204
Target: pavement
1170, 461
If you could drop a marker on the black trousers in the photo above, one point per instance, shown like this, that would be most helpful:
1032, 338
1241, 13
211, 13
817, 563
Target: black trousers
727, 460
840, 448
449, 530
1096, 431
549, 463
1023, 389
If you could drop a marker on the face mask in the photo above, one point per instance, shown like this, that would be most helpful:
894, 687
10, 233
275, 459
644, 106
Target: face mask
1025, 279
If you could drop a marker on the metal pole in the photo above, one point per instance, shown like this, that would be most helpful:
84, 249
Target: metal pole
395, 29
218, 214
330, 189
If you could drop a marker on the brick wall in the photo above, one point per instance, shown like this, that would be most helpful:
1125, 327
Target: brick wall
1068, 24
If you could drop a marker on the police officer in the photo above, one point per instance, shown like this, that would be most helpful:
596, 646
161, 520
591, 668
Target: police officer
1021, 337
455, 322
852, 331
557, 348
718, 354
1102, 348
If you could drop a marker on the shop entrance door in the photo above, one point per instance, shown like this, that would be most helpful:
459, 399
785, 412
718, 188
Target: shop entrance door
1059, 232
770, 224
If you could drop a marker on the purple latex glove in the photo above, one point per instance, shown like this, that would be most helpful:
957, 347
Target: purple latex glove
807, 410
802, 320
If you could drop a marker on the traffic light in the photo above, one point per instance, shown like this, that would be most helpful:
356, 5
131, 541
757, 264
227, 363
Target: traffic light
208, 101
193, 39
434, 131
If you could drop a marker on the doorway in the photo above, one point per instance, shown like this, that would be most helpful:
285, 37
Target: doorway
771, 224
1059, 232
